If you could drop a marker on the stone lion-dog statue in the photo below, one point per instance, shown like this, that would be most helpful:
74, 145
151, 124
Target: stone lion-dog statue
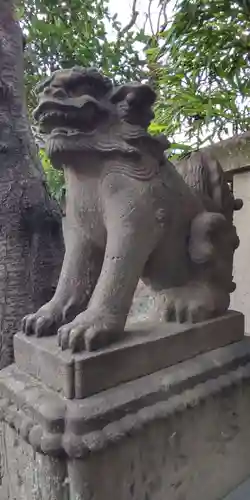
130, 215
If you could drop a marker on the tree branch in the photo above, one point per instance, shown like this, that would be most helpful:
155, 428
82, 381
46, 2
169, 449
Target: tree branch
134, 15
162, 13
150, 18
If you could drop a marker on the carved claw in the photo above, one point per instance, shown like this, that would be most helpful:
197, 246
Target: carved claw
191, 312
194, 303
39, 326
89, 332
42, 323
50, 317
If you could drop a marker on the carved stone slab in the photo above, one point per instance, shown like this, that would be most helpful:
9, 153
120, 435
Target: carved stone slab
146, 349
56, 426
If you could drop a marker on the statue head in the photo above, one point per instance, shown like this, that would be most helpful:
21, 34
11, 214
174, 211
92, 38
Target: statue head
80, 111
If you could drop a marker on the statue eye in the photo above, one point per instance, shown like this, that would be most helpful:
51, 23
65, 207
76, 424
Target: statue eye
76, 90
79, 87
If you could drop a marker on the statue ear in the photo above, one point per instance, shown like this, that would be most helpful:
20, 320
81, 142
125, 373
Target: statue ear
141, 96
136, 94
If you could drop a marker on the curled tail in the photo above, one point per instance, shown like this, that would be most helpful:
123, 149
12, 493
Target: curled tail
213, 237
204, 175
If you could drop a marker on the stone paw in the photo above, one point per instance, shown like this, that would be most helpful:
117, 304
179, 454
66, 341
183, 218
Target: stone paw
194, 303
89, 331
44, 322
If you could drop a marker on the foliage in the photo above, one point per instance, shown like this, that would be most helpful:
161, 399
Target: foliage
77, 32
55, 178
201, 67
197, 59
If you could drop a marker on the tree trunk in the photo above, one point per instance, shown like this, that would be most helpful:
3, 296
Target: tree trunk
30, 221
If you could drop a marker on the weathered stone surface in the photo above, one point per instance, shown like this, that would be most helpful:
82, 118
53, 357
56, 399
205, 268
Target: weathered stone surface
201, 453
233, 154
180, 433
146, 350
130, 214
26, 475
54, 425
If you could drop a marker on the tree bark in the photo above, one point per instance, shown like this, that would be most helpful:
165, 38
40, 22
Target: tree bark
31, 244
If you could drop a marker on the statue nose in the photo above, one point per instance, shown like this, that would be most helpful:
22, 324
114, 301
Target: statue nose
59, 93
55, 92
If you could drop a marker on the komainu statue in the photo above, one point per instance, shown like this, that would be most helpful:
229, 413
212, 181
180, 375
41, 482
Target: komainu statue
130, 215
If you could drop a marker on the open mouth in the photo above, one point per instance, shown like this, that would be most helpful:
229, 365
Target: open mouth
54, 117
56, 121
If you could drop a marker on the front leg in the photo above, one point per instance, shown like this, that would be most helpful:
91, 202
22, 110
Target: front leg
132, 233
80, 270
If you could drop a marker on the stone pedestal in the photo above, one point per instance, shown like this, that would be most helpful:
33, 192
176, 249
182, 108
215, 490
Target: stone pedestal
164, 414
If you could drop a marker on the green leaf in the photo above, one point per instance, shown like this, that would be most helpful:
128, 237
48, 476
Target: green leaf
198, 64
181, 146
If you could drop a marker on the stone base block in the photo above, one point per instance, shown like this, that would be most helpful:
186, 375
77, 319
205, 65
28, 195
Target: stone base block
181, 433
145, 349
